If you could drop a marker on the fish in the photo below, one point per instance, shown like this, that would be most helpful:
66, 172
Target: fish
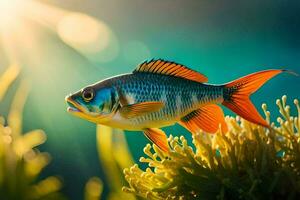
160, 93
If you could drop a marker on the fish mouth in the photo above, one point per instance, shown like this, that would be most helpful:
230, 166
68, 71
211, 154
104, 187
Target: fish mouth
73, 106
77, 110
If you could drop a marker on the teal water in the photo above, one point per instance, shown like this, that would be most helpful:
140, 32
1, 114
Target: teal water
223, 40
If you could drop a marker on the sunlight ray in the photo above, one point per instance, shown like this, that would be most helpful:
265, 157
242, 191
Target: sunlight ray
47, 15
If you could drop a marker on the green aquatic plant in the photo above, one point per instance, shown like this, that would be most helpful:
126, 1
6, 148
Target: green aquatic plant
21, 162
114, 156
247, 162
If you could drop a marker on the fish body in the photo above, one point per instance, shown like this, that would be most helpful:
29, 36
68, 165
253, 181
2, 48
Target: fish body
179, 97
160, 93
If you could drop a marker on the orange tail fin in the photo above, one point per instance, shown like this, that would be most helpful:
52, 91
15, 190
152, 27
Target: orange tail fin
237, 93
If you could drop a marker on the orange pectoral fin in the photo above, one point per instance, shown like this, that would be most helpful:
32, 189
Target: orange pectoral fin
139, 109
158, 137
207, 118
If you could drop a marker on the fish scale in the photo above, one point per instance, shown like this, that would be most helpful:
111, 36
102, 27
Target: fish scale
151, 87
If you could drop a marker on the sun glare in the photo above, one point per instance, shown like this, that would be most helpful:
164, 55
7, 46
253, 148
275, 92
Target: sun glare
9, 10
8, 4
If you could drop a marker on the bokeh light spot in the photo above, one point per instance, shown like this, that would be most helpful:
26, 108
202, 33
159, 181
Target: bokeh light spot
84, 33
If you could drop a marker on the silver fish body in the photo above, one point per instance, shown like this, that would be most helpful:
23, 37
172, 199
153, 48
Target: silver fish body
179, 96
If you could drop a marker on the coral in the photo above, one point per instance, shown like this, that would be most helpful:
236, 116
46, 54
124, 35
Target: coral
247, 162
20, 162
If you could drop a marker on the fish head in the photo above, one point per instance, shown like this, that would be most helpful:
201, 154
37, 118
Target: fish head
94, 104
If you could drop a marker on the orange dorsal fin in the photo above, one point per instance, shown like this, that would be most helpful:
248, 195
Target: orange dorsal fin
171, 69
208, 118
158, 137
237, 94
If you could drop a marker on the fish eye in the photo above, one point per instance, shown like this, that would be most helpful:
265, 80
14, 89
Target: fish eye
88, 94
